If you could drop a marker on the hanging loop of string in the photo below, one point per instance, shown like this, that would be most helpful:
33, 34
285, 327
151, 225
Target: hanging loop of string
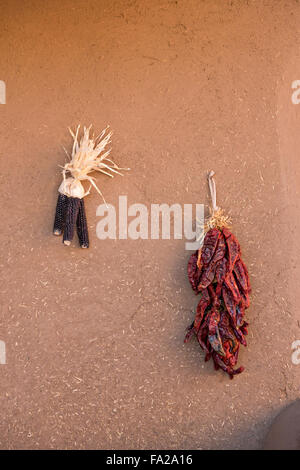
213, 190
217, 217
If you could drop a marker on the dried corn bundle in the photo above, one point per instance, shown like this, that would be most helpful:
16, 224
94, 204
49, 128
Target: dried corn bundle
218, 274
88, 154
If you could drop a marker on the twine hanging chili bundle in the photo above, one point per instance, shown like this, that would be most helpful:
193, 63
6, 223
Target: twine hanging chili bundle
88, 154
217, 272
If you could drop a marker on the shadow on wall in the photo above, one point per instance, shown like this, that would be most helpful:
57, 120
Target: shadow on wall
284, 432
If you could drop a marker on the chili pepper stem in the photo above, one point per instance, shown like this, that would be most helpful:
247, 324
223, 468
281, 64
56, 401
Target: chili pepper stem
217, 220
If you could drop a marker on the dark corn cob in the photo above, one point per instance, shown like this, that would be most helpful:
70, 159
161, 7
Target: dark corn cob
60, 214
82, 228
71, 217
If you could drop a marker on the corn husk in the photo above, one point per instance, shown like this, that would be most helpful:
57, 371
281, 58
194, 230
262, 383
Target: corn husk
89, 154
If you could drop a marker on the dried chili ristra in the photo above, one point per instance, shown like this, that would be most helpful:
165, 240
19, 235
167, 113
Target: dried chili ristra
218, 273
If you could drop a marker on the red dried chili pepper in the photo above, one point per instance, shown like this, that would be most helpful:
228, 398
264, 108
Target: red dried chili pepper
233, 247
221, 271
218, 273
209, 247
202, 305
193, 271
230, 304
209, 270
241, 275
232, 286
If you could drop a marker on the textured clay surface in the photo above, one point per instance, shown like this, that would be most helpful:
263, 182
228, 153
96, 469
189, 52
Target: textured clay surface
94, 338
